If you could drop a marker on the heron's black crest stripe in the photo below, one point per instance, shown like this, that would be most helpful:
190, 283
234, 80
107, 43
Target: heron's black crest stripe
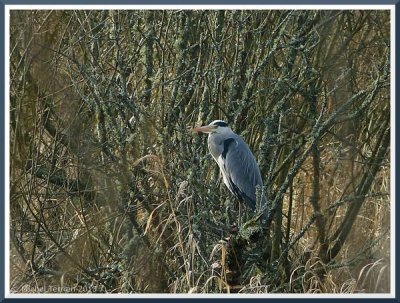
227, 142
221, 123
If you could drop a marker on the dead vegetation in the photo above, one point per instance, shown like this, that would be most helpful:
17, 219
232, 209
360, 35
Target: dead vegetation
109, 192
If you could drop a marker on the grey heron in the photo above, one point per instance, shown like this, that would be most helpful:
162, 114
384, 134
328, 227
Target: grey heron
237, 163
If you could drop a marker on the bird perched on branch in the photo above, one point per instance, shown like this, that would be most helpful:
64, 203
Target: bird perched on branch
237, 164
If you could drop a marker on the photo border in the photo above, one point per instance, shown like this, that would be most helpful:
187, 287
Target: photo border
170, 4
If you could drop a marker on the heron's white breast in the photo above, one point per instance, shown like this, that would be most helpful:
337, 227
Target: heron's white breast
221, 163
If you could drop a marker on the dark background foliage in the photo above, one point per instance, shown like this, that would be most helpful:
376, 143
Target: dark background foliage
111, 192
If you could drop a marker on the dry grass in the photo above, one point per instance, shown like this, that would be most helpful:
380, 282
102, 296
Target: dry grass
111, 193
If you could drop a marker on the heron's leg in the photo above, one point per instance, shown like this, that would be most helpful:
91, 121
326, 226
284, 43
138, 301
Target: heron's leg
228, 214
240, 215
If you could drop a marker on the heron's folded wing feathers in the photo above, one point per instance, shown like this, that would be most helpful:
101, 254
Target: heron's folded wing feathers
241, 167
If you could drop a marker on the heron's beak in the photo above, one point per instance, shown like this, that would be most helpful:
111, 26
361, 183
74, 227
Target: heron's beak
204, 129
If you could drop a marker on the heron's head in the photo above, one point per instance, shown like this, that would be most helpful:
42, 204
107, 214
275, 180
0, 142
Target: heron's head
217, 126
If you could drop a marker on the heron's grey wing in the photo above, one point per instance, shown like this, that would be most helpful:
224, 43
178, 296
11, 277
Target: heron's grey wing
241, 169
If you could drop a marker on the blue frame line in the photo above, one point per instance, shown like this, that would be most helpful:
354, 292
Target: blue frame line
3, 3
204, 2
2, 154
